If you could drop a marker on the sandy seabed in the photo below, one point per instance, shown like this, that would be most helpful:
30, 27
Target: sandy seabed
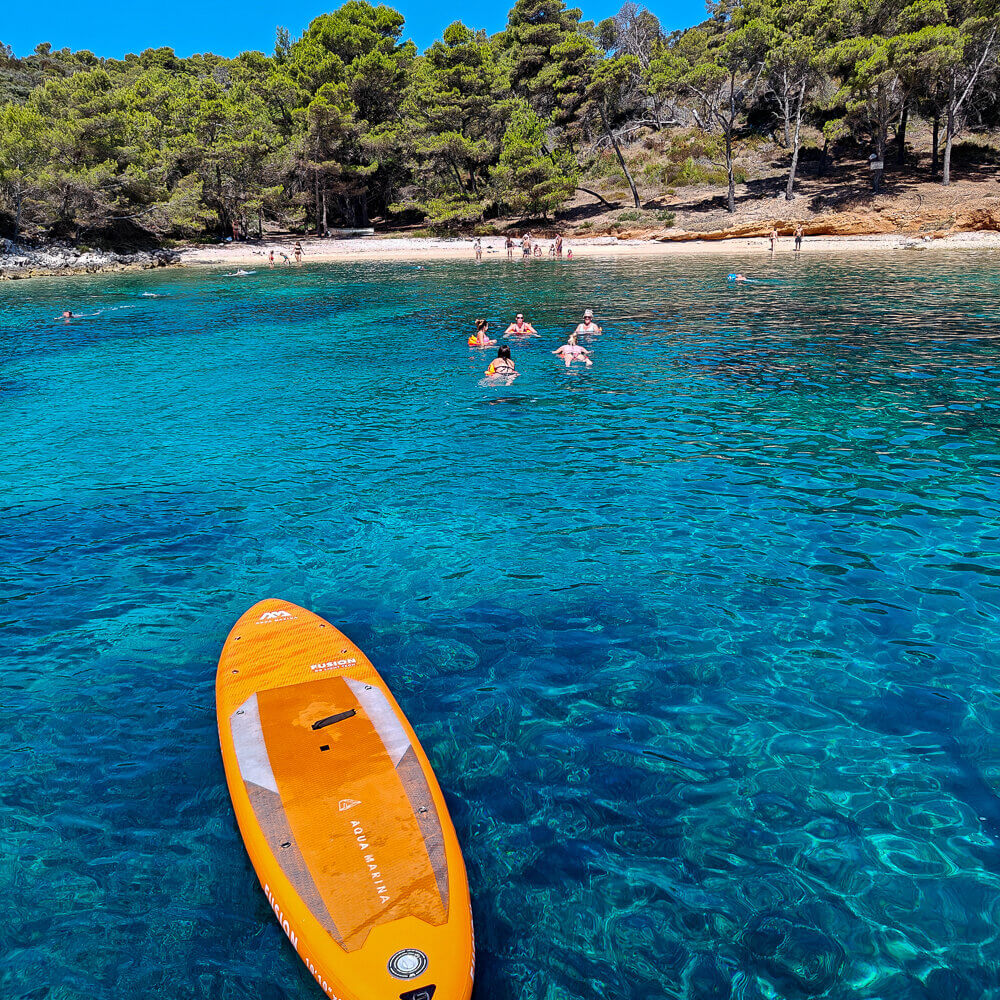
316, 250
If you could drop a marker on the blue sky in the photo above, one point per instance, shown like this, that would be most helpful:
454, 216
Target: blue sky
227, 27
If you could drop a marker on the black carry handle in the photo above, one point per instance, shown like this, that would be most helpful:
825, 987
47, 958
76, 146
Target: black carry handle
331, 719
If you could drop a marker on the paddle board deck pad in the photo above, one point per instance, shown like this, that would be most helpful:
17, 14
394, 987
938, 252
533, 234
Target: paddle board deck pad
341, 814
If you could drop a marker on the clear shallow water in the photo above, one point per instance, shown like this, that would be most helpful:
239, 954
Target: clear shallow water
701, 641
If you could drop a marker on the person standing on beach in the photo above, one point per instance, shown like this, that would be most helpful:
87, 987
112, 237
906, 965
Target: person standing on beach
526, 246
588, 326
798, 236
558, 244
773, 238
297, 250
270, 259
509, 244
478, 247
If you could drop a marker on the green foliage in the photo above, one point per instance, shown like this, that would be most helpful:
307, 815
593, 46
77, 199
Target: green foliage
348, 121
550, 55
529, 178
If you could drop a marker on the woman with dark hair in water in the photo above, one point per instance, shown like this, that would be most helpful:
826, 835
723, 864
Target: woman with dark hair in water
503, 364
479, 338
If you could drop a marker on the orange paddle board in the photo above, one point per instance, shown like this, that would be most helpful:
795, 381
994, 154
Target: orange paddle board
340, 812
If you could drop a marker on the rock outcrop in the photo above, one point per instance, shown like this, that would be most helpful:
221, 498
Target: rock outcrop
876, 221
21, 261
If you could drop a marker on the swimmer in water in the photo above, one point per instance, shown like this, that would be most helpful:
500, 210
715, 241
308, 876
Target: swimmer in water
520, 328
503, 364
588, 326
571, 351
67, 316
737, 277
479, 338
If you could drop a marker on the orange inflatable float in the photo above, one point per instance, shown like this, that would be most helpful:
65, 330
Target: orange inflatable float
341, 813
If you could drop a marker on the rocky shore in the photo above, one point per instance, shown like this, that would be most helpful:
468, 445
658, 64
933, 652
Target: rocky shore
24, 261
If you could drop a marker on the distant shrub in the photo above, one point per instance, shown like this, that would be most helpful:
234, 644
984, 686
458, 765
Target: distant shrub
632, 215
974, 153
665, 215
603, 164
586, 225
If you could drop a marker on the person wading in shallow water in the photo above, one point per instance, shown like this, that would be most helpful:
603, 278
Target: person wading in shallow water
588, 325
571, 351
503, 364
479, 338
798, 236
521, 328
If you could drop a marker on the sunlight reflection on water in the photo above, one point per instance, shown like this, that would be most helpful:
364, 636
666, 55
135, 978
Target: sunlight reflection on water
700, 641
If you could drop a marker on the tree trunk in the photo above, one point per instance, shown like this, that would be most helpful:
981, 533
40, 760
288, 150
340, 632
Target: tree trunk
603, 201
795, 148
786, 113
949, 138
18, 200
935, 125
260, 223
949, 133
731, 203
319, 231
728, 127
621, 159
901, 137
324, 212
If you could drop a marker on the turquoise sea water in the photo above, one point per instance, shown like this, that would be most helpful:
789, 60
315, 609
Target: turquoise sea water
702, 641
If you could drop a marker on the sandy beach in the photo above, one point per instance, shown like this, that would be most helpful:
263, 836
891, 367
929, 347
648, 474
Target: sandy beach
316, 250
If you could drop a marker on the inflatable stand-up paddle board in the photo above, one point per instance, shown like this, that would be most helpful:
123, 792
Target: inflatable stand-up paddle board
341, 813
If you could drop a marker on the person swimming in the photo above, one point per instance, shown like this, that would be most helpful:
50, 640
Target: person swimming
67, 315
737, 277
503, 363
588, 325
571, 351
521, 328
479, 338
